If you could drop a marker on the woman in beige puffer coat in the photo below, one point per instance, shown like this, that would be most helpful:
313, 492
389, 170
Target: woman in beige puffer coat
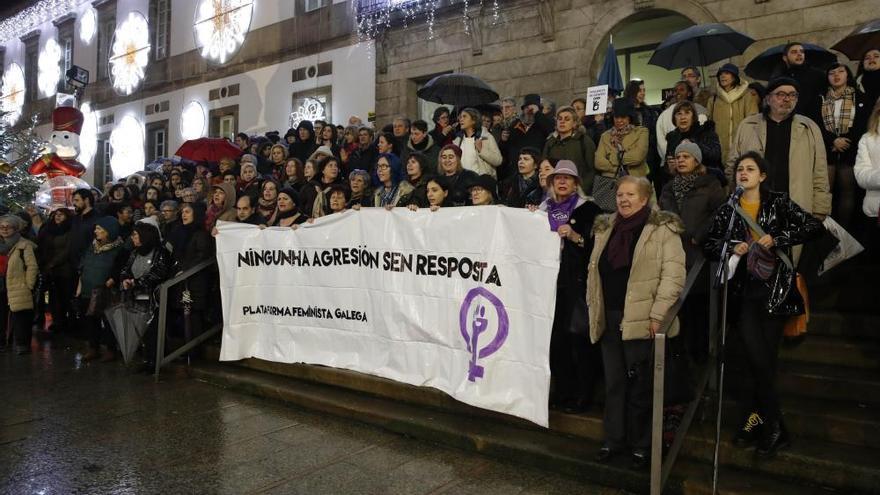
19, 281
731, 103
636, 273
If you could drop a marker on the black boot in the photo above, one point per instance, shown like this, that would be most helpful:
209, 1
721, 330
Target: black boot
774, 437
750, 432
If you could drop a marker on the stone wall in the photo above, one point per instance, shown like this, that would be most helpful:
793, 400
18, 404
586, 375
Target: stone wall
517, 55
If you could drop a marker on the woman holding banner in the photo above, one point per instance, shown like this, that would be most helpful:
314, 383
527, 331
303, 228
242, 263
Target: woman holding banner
636, 273
574, 362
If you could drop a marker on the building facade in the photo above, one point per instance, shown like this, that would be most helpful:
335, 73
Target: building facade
289, 51
556, 47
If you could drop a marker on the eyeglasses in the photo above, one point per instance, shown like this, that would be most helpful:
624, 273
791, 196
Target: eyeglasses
383, 165
785, 96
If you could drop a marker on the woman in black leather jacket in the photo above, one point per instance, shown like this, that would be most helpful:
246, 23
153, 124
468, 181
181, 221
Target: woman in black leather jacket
764, 295
148, 266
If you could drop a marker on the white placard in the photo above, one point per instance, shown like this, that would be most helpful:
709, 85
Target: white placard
597, 99
461, 299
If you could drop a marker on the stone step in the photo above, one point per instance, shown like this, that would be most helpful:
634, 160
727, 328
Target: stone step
535, 447
844, 324
834, 383
849, 287
832, 421
570, 444
836, 351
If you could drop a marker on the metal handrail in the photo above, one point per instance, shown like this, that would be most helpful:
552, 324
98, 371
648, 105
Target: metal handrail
161, 358
660, 470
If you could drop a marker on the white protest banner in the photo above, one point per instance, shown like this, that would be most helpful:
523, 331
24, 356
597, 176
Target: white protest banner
460, 299
597, 99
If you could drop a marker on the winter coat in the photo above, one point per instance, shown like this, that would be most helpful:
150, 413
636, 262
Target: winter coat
419, 195
200, 247
427, 148
484, 161
21, 276
665, 125
807, 167
727, 109
512, 196
812, 84
458, 187
160, 268
99, 264
53, 251
571, 283
696, 212
404, 189
578, 148
704, 136
867, 170
789, 225
856, 130
363, 159
82, 231
635, 146
520, 137
656, 278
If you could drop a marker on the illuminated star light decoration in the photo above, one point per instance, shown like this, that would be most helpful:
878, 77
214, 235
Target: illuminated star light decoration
311, 109
220, 27
127, 147
12, 93
129, 53
88, 139
49, 64
192, 121
88, 25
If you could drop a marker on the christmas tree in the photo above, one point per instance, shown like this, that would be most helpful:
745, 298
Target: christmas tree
19, 147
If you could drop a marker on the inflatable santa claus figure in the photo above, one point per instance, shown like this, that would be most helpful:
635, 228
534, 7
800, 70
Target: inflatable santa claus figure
59, 156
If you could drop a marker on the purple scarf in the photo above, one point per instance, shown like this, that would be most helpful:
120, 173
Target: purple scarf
559, 213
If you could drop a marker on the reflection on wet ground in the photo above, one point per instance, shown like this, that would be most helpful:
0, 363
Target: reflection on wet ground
70, 427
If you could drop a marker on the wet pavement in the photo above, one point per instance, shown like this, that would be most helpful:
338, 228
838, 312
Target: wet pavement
95, 428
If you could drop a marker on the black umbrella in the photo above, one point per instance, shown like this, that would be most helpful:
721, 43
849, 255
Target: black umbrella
769, 63
461, 90
699, 46
862, 39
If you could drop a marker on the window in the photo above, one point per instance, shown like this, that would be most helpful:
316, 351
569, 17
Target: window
311, 105
224, 122
312, 5
160, 20
31, 67
106, 28
103, 171
65, 41
157, 140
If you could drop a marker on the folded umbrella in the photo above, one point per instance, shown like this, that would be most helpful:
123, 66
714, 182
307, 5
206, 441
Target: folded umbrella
769, 63
461, 90
610, 73
207, 150
699, 46
862, 39
128, 322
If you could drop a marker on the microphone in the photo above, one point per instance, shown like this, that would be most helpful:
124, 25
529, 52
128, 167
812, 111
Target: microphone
737, 193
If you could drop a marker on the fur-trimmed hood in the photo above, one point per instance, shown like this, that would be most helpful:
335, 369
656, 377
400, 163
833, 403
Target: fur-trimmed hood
657, 217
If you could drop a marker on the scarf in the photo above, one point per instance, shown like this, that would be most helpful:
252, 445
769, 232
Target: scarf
623, 238
527, 187
681, 186
7, 244
387, 196
847, 110
559, 213
99, 248
618, 134
212, 213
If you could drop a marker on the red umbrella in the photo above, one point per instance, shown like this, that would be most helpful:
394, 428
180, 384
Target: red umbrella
208, 150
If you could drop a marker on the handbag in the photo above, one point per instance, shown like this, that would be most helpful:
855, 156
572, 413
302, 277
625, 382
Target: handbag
604, 191
796, 325
98, 301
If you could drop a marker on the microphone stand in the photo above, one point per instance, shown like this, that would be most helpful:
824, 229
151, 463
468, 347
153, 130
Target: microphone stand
721, 280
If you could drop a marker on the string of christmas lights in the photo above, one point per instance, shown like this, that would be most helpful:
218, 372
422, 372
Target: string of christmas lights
32, 17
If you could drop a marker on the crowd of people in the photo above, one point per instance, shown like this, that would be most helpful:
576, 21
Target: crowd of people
805, 146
